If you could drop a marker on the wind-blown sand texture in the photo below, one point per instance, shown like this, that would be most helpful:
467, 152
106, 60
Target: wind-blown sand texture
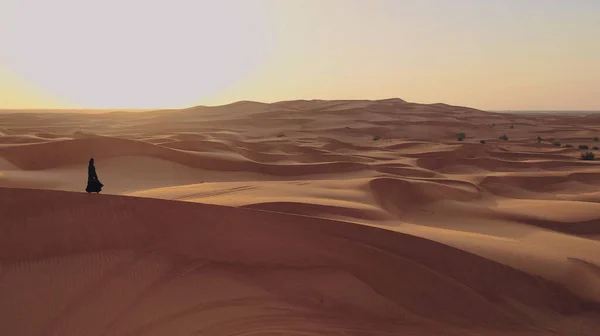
290, 219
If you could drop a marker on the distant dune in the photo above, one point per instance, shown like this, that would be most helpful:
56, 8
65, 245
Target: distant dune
307, 217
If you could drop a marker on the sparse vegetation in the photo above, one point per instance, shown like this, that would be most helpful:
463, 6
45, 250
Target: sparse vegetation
482, 141
512, 126
568, 146
595, 148
377, 137
588, 156
493, 125
460, 136
539, 139
280, 135
556, 143
504, 137
596, 139
583, 147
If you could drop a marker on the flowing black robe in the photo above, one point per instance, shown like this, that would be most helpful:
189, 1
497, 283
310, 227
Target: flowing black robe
93, 185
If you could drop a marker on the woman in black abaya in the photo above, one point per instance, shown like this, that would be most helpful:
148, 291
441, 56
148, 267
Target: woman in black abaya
93, 185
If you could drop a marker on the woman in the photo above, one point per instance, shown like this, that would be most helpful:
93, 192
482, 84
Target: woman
93, 184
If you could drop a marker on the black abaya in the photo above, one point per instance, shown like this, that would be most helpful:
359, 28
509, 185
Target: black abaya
93, 185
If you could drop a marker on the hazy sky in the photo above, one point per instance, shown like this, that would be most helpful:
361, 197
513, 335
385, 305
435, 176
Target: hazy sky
488, 54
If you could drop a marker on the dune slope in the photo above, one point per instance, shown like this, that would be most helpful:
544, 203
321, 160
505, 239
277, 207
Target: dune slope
129, 266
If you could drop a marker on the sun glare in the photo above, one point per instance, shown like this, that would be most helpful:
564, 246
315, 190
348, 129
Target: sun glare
137, 54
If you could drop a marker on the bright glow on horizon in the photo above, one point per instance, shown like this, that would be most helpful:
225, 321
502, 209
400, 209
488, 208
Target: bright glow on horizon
510, 54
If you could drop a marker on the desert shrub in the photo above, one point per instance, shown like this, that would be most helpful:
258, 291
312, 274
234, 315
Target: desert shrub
493, 125
588, 156
504, 137
583, 147
539, 139
280, 135
482, 141
595, 148
568, 146
512, 126
377, 137
596, 139
556, 143
460, 136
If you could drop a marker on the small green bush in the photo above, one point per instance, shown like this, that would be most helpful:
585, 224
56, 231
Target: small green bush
460, 136
588, 156
568, 146
377, 137
504, 137
583, 147
482, 141
556, 143
539, 139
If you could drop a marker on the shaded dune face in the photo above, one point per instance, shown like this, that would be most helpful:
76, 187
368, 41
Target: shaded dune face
303, 217
129, 266
71, 152
402, 196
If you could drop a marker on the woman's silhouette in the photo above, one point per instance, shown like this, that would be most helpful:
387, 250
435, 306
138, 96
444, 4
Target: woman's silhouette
93, 184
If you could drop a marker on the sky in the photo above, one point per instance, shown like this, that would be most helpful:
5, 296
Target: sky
487, 54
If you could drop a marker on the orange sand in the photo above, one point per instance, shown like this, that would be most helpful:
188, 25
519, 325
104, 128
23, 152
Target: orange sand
308, 226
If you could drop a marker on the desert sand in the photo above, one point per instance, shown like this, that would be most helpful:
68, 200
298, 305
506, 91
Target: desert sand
300, 218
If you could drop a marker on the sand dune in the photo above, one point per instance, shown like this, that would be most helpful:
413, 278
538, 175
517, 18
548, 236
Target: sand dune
305, 217
148, 266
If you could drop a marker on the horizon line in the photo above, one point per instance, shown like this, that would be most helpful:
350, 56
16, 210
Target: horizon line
133, 109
